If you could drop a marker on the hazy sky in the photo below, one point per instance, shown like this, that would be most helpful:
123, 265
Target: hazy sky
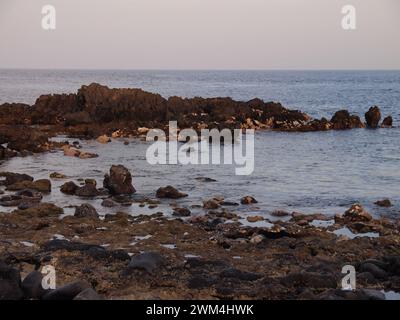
200, 34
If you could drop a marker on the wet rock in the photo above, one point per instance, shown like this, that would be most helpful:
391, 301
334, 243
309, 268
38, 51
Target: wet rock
254, 219
88, 155
67, 292
357, 213
71, 152
13, 178
375, 270
211, 204
387, 122
42, 185
41, 210
384, 203
119, 181
69, 188
56, 175
148, 261
88, 190
181, 212
10, 283
170, 192
32, 286
94, 251
88, 294
342, 120
372, 117
248, 200
103, 139
108, 203
86, 211
280, 213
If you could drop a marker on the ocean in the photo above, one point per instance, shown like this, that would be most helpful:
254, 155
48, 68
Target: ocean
306, 172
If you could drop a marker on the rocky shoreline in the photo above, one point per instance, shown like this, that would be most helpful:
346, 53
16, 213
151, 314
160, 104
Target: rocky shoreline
98, 112
213, 255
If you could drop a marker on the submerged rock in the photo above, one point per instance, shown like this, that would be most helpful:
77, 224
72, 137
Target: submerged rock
248, 200
170, 192
119, 181
384, 203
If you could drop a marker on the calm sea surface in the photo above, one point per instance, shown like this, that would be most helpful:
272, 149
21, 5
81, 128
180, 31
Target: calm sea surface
308, 172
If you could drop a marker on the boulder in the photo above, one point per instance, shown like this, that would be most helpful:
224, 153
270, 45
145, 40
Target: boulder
10, 283
357, 213
119, 181
69, 188
41, 210
103, 139
86, 211
170, 193
42, 185
387, 122
248, 200
384, 203
148, 261
372, 117
12, 178
32, 286
108, 203
67, 292
88, 190
88, 294
181, 212
342, 120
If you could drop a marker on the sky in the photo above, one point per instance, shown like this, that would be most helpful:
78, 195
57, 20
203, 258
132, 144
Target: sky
200, 34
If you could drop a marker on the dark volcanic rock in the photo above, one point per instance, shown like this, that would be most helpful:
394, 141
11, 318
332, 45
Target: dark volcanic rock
148, 261
342, 120
32, 286
170, 192
86, 211
12, 178
42, 185
357, 213
10, 283
119, 181
387, 122
69, 188
88, 294
373, 116
94, 251
88, 190
384, 203
67, 292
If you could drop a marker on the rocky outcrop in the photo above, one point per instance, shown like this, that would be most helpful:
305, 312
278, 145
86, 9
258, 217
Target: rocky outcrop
373, 116
387, 122
119, 181
342, 120
86, 211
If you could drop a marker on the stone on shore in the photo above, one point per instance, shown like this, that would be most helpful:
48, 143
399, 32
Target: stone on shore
357, 213
13, 178
170, 193
42, 185
69, 188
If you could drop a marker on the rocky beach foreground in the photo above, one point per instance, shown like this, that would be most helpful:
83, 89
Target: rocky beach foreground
212, 255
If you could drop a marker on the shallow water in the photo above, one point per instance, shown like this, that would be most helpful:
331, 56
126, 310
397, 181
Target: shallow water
308, 172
